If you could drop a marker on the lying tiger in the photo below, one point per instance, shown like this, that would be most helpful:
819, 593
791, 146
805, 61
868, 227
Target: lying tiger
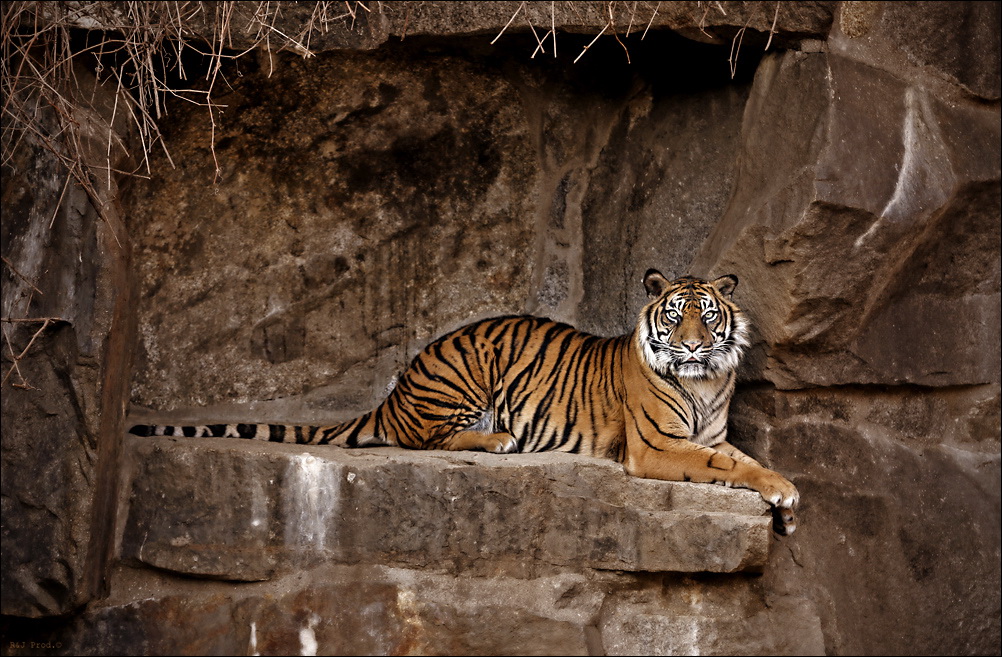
655, 400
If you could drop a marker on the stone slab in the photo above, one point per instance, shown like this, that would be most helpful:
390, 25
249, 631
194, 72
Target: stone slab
243, 510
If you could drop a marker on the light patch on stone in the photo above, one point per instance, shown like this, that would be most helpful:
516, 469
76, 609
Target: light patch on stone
555, 285
180, 541
252, 646
308, 638
313, 495
259, 504
410, 613
694, 639
925, 175
28, 252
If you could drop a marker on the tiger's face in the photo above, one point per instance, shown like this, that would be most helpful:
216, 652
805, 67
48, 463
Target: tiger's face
691, 328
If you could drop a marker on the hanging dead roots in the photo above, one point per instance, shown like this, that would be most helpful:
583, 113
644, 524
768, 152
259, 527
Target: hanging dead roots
140, 48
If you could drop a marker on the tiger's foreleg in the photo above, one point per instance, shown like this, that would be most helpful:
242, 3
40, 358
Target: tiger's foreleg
725, 447
784, 521
683, 460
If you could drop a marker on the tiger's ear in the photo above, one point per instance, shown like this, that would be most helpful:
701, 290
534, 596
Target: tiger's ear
655, 283
726, 284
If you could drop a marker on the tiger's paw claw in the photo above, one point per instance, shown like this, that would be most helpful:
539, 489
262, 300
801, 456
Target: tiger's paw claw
784, 522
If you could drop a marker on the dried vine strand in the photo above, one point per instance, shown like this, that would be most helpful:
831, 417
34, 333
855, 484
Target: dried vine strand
15, 358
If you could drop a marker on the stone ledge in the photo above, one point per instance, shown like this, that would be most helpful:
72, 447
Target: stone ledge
269, 509
797, 22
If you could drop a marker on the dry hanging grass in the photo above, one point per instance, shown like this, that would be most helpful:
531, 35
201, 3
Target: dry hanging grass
140, 48
636, 12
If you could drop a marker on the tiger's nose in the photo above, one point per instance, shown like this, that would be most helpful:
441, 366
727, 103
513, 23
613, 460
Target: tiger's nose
692, 345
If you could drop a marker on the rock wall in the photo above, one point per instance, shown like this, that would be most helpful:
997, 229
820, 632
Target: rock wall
865, 218
67, 262
377, 200
387, 190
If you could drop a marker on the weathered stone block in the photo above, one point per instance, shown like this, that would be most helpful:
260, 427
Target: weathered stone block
361, 28
239, 510
63, 415
684, 618
954, 41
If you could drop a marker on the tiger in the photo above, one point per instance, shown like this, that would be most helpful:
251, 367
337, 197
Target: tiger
655, 400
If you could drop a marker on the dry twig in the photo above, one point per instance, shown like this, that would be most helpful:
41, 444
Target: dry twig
520, 8
772, 30
15, 358
20, 275
590, 44
138, 46
650, 22
736, 49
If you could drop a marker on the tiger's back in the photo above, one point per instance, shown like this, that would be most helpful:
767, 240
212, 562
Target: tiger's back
544, 383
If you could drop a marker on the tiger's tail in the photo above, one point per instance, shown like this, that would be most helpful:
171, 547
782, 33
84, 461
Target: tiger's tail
361, 431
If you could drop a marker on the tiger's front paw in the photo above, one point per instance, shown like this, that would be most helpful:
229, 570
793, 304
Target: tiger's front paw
778, 491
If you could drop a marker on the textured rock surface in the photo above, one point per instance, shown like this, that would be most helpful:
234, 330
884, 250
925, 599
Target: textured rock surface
875, 231
385, 551
364, 27
277, 508
695, 20
955, 42
364, 204
63, 410
385, 610
864, 225
882, 471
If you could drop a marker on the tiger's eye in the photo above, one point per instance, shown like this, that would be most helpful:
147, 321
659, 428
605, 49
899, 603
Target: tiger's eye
710, 315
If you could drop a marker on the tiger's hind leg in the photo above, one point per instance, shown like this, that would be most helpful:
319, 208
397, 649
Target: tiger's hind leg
446, 398
498, 443
481, 435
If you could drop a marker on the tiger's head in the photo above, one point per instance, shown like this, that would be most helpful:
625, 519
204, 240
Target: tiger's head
691, 328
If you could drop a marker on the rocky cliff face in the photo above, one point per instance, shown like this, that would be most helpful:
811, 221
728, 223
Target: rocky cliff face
384, 191
68, 313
